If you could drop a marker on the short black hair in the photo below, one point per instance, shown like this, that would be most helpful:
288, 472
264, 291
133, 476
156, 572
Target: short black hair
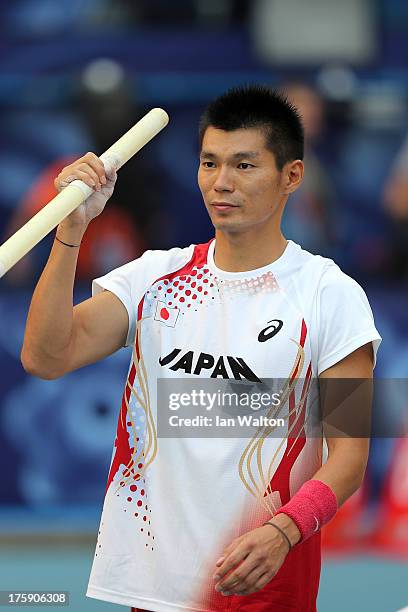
258, 106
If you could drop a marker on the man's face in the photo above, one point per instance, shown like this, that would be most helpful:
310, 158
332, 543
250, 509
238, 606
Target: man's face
239, 180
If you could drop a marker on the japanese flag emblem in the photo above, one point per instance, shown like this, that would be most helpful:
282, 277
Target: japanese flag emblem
166, 314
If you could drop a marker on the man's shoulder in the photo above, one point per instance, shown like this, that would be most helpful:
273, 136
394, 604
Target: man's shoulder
156, 263
306, 258
319, 272
309, 265
166, 260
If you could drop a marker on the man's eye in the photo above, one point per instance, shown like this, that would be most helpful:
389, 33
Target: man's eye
208, 164
245, 166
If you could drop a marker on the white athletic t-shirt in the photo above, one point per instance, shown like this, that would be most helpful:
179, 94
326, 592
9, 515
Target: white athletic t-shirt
173, 504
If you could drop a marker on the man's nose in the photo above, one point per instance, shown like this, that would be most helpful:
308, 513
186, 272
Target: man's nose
224, 180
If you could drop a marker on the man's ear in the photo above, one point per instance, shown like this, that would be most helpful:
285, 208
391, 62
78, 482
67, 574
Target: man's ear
293, 175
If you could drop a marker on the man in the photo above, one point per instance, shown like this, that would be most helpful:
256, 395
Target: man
183, 520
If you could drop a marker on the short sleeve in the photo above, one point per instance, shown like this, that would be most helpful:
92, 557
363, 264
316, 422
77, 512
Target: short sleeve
345, 321
128, 283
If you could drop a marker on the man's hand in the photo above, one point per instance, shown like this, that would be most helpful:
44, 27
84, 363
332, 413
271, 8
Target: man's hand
91, 171
251, 560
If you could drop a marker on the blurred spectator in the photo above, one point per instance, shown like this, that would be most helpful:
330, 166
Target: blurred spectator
308, 218
396, 206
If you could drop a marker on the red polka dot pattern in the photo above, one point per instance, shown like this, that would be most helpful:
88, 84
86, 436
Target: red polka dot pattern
181, 292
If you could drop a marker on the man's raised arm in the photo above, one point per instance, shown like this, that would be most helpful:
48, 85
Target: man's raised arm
59, 337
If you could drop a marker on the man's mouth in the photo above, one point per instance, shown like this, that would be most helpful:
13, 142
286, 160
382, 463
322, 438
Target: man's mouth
223, 206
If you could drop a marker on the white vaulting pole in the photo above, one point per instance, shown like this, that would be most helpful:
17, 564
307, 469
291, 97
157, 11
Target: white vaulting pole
76, 192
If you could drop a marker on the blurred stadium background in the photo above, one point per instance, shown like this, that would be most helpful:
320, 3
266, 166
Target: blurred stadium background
74, 75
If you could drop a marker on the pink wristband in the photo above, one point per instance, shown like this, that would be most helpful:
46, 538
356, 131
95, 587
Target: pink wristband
311, 507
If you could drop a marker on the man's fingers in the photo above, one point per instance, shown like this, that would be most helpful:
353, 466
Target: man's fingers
231, 561
241, 574
62, 182
71, 174
226, 552
86, 178
249, 584
97, 165
264, 579
259, 584
88, 169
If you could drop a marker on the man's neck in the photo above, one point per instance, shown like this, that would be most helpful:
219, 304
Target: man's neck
241, 252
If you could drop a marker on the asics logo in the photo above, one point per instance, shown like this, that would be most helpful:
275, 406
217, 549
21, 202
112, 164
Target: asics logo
269, 332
